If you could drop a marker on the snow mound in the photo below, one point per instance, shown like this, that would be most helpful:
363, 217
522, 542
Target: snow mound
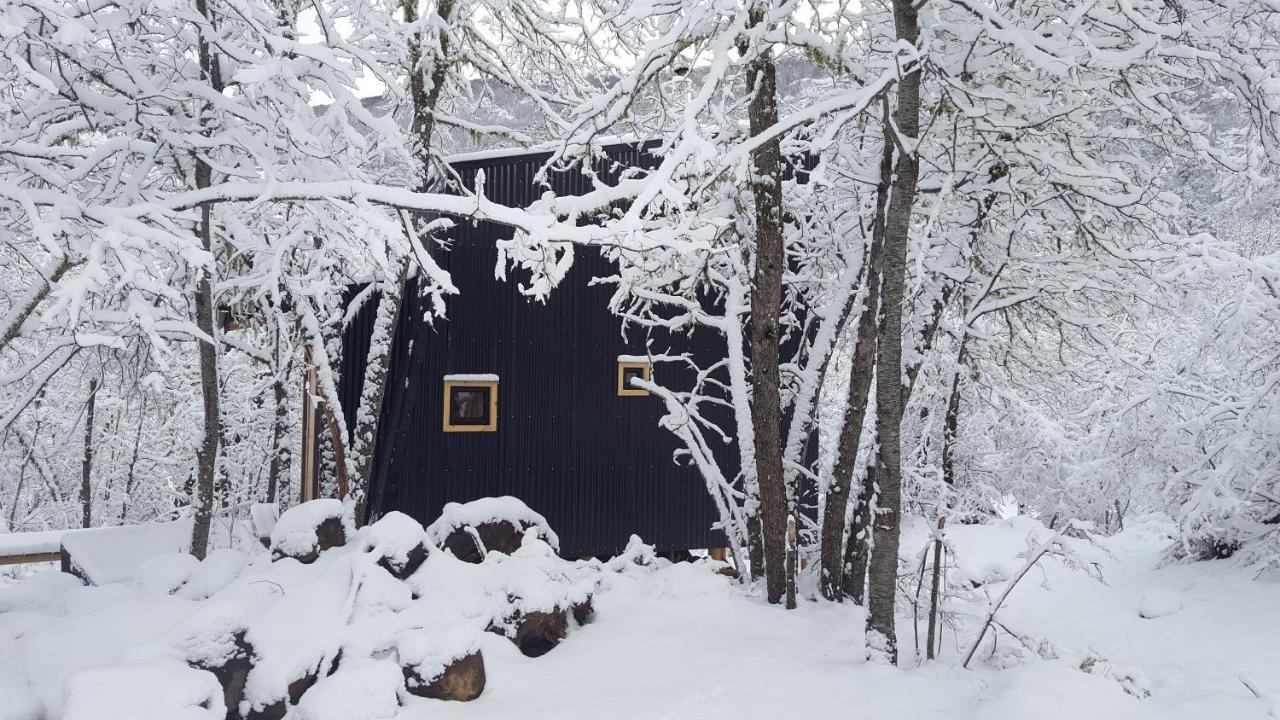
144, 692
294, 534
1048, 691
505, 509
357, 691
1158, 602
42, 591
17, 702
264, 517
215, 572
165, 574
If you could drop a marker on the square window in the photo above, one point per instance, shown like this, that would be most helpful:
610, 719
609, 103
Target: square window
628, 369
470, 405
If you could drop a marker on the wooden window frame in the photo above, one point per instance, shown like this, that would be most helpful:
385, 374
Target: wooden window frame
446, 418
626, 391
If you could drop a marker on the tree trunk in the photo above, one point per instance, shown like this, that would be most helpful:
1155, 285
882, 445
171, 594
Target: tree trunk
855, 412
425, 86
857, 549
950, 425
766, 308
207, 457
86, 463
381, 348
883, 580
279, 464
131, 477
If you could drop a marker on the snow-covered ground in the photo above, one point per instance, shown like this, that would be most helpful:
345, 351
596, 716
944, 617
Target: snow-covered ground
679, 641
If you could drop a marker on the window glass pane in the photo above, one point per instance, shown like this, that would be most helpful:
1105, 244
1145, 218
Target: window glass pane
628, 373
469, 406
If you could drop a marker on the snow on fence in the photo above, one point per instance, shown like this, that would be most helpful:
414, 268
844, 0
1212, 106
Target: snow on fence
98, 555
31, 547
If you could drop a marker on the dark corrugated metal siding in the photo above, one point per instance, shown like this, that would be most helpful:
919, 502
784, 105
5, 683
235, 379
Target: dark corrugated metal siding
598, 466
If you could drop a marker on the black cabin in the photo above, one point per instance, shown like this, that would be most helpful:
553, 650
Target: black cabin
508, 396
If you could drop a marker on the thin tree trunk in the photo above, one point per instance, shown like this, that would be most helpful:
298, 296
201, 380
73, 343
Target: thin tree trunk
861, 374
131, 477
792, 558
951, 425
857, 549
755, 542
883, 575
766, 308
279, 463
86, 463
207, 457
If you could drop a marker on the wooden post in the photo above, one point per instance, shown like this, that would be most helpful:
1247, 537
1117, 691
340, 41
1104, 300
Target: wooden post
933, 596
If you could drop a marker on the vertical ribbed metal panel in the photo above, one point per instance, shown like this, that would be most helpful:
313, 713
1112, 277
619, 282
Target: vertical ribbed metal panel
598, 466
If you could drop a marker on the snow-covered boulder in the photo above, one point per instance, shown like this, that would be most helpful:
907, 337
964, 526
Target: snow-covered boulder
160, 691
363, 690
215, 572
166, 574
43, 592
472, 530
544, 599
213, 639
1158, 602
442, 663
306, 530
399, 542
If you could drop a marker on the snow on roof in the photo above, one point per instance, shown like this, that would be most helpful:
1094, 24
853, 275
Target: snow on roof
471, 377
539, 149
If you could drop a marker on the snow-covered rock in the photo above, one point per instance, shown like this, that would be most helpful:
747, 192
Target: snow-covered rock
160, 691
359, 690
165, 574
444, 663
1158, 602
472, 530
306, 530
398, 541
43, 591
215, 572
